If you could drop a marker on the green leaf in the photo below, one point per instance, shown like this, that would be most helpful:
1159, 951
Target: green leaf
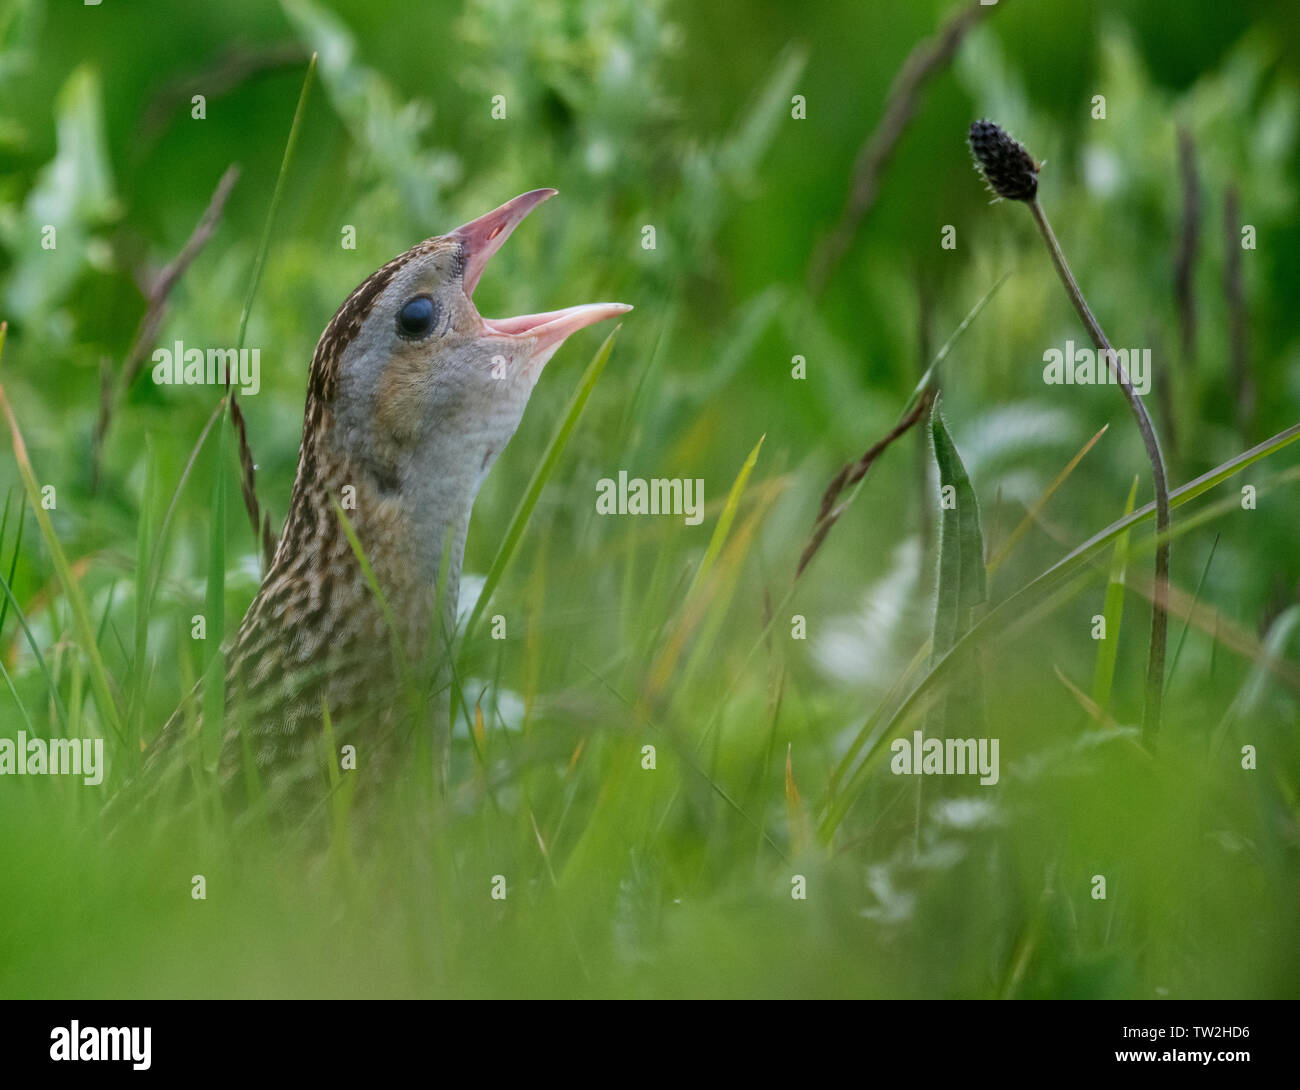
961, 544
962, 587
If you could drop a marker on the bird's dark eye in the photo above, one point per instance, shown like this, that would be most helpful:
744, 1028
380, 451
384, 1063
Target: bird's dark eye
416, 318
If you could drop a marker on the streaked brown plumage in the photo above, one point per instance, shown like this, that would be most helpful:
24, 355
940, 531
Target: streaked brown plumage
411, 397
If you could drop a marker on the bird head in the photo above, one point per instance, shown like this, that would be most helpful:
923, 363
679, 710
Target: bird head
420, 386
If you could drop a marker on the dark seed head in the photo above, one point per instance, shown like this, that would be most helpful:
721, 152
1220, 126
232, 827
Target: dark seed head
1010, 170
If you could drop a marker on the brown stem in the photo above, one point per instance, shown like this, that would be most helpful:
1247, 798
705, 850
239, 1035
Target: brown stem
1188, 244
1238, 340
1184, 290
1160, 593
146, 334
850, 475
925, 61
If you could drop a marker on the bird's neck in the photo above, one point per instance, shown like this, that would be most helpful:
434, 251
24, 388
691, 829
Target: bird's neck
409, 525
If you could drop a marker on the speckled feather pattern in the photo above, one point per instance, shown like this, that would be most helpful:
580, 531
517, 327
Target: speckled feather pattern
411, 396
315, 633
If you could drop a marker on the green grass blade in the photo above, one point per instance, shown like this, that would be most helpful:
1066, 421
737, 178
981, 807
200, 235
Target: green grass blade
104, 619
1103, 674
214, 692
542, 474
384, 608
259, 263
1179, 496
753, 134
931, 372
27, 719
728, 516
85, 634
13, 560
1245, 704
1196, 597
4, 531
51, 684
921, 387
160, 540
7, 585
140, 651
1004, 550
214, 608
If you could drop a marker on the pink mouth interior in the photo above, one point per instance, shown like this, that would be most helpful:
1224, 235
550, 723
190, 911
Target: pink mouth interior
481, 238
524, 323
551, 327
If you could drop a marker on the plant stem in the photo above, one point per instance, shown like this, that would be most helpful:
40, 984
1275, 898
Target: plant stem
1160, 597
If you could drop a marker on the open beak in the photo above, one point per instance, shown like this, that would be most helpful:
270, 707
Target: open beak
481, 239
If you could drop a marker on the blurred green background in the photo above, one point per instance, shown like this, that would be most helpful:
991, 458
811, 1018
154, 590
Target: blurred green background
643, 113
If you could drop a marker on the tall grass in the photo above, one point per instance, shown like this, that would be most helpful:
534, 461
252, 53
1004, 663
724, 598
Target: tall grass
657, 755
